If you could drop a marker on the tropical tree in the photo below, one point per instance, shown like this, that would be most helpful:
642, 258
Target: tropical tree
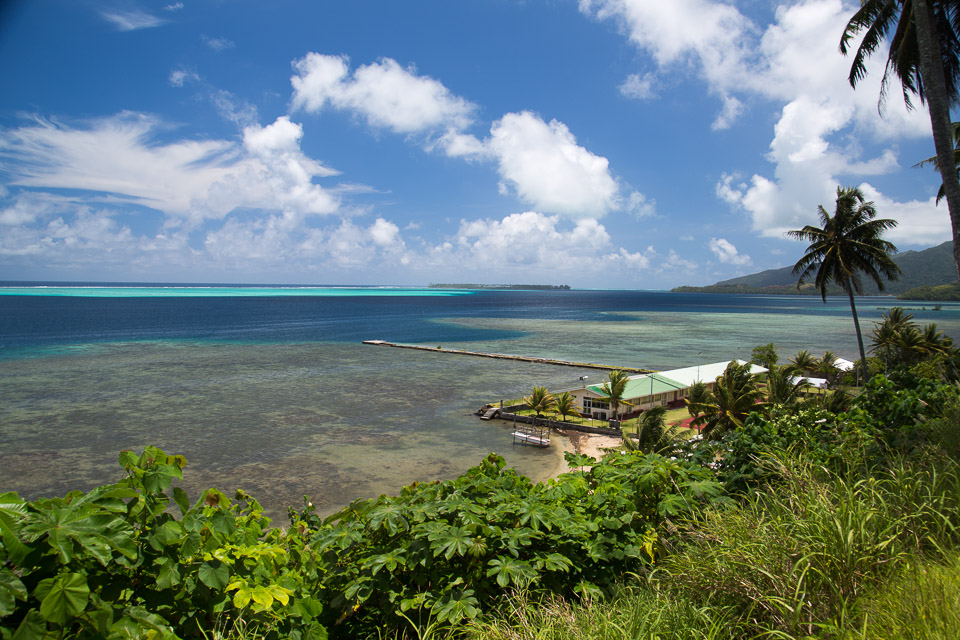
848, 244
540, 400
765, 355
614, 388
804, 361
899, 340
734, 396
784, 387
698, 392
653, 434
923, 55
826, 366
565, 404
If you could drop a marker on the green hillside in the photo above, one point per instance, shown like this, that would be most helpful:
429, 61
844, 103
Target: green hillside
927, 268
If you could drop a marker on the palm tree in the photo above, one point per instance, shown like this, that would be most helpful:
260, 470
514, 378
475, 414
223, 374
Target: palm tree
734, 396
847, 245
613, 388
827, 367
935, 342
698, 392
540, 400
955, 128
923, 54
804, 361
565, 404
783, 387
653, 435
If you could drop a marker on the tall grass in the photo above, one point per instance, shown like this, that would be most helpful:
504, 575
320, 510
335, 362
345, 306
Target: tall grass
819, 555
792, 558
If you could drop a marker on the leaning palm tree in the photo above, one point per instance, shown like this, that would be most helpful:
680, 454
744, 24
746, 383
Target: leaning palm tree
784, 387
847, 245
614, 388
653, 434
540, 400
923, 55
565, 404
734, 396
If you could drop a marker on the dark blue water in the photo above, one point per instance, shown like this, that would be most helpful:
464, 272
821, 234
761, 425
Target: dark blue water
37, 321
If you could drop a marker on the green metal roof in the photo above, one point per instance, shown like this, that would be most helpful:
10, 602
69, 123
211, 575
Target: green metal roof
639, 386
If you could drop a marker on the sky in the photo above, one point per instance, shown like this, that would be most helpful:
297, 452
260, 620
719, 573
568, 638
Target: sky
615, 144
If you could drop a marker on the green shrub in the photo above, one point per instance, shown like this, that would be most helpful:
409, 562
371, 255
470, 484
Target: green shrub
445, 551
116, 563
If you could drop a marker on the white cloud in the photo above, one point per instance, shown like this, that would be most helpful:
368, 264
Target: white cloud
640, 206
795, 62
640, 87
132, 20
544, 165
119, 160
233, 109
920, 222
178, 77
176, 6
539, 162
542, 248
384, 93
727, 253
218, 44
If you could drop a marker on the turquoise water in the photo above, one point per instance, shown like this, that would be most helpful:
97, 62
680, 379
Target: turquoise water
93, 291
277, 395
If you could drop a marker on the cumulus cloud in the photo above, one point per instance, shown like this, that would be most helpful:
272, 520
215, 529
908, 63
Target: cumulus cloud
132, 20
726, 253
540, 162
384, 93
544, 165
793, 61
542, 247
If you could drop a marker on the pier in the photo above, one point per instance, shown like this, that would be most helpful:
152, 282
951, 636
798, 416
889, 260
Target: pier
502, 356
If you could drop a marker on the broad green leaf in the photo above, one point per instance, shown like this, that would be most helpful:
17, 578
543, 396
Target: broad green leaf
511, 571
66, 597
33, 627
11, 590
168, 574
214, 574
180, 497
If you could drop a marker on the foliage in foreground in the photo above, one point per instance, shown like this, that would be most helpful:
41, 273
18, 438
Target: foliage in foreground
444, 551
117, 562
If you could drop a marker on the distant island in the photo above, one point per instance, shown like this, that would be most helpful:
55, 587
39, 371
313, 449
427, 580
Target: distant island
927, 275
521, 287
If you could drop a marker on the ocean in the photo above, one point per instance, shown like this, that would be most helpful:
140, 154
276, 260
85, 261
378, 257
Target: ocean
269, 389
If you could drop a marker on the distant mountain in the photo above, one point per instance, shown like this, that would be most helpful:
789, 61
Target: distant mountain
927, 268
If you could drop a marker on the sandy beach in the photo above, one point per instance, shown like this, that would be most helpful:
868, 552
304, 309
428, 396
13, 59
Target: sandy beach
586, 443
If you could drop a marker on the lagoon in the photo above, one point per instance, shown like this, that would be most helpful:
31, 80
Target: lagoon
268, 389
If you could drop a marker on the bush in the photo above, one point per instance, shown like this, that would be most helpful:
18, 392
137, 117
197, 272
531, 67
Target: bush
445, 551
116, 563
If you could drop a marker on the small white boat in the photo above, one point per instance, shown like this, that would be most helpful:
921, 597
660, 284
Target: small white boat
540, 441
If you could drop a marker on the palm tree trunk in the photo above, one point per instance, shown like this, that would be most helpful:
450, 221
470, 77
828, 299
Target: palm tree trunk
856, 323
938, 105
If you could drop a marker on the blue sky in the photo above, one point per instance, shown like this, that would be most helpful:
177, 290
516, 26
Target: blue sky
601, 143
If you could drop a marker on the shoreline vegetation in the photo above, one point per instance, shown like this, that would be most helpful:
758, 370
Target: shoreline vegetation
830, 516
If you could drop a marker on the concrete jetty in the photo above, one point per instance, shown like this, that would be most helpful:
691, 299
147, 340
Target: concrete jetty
503, 356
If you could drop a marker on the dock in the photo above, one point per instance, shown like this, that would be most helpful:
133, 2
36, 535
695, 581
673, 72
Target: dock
503, 356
